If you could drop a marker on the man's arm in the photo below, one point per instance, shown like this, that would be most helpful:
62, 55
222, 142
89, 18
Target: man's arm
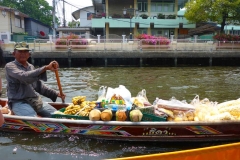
26, 77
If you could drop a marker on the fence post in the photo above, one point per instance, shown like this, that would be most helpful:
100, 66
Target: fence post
50, 38
195, 38
98, 37
123, 38
172, 38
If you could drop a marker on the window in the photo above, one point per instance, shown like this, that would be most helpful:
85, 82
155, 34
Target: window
153, 7
22, 23
17, 22
162, 7
142, 6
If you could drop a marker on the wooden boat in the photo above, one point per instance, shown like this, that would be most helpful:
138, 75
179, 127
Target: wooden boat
124, 131
226, 151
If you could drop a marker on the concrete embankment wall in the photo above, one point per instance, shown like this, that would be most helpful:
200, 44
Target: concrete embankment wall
134, 58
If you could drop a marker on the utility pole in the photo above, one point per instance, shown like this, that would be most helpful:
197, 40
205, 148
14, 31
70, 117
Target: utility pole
64, 21
54, 23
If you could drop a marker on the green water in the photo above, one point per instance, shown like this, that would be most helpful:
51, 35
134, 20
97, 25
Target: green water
184, 83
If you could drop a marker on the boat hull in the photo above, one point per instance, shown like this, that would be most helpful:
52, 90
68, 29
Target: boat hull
125, 131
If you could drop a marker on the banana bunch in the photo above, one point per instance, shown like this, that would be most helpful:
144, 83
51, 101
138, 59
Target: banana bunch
87, 107
78, 100
80, 106
72, 109
138, 103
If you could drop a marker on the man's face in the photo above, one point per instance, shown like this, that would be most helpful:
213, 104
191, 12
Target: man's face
21, 55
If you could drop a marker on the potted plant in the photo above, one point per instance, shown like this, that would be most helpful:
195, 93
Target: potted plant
160, 16
171, 16
115, 15
149, 41
71, 40
227, 41
144, 16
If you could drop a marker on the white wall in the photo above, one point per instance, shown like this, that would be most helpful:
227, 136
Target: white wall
84, 22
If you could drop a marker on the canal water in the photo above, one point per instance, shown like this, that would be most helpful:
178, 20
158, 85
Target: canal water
184, 83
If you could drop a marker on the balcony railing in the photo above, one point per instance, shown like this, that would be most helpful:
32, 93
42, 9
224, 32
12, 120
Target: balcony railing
190, 45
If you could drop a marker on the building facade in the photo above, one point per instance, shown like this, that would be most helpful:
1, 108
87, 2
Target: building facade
12, 21
153, 17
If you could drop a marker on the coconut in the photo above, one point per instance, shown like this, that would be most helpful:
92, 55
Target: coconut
95, 115
121, 115
106, 115
136, 116
4, 110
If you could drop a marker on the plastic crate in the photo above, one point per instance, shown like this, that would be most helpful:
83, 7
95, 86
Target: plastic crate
66, 116
151, 117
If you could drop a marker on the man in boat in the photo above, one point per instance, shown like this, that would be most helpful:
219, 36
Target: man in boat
24, 85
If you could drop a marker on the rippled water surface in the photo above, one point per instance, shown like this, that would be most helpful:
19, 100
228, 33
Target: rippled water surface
216, 83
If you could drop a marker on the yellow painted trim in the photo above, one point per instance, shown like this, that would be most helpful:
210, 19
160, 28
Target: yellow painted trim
106, 1
107, 30
227, 151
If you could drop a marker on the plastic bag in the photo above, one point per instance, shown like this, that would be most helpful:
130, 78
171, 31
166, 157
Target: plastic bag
142, 97
173, 104
102, 93
122, 92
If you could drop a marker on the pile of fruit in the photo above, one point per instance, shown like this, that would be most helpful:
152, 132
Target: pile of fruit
80, 106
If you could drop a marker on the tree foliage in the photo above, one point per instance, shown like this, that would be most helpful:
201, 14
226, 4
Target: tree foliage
36, 9
73, 24
219, 11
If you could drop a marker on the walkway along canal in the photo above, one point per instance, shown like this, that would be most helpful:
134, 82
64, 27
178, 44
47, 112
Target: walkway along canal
134, 58
106, 54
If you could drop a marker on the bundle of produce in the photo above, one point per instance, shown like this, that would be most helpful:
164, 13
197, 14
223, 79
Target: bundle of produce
173, 104
121, 115
5, 110
80, 106
106, 115
95, 115
176, 115
117, 99
135, 115
118, 94
219, 117
174, 110
141, 99
232, 107
78, 100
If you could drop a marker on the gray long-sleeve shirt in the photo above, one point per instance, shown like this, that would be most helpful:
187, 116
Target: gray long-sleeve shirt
25, 83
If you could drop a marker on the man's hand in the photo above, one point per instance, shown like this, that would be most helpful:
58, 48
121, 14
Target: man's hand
53, 66
62, 96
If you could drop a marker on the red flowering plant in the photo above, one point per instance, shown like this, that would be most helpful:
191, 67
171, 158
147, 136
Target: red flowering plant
72, 39
226, 37
153, 40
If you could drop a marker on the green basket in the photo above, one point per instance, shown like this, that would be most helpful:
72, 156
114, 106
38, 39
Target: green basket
147, 110
66, 116
151, 117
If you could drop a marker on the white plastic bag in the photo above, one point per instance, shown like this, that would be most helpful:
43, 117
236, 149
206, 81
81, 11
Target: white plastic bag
173, 104
142, 96
110, 93
102, 93
120, 91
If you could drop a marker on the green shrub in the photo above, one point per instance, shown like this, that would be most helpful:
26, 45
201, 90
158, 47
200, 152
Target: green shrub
160, 16
115, 15
171, 16
144, 16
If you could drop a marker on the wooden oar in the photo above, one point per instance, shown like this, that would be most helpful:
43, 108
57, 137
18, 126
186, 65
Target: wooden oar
58, 81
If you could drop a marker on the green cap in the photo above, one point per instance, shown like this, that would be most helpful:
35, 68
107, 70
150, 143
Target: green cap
21, 46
